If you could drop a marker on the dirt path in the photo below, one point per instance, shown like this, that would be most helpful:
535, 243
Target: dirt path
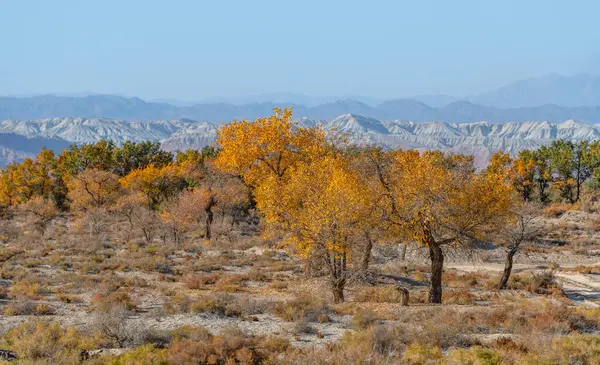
583, 289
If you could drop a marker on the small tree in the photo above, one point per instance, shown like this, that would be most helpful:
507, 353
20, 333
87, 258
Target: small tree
438, 201
181, 213
320, 206
131, 206
156, 183
42, 211
93, 189
92, 193
512, 236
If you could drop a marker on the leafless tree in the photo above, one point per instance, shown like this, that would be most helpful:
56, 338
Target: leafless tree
523, 230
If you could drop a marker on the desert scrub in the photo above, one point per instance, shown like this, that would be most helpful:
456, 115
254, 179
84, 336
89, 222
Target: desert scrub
386, 294
538, 283
27, 289
41, 342
461, 297
301, 307
476, 355
217, 303
364, 318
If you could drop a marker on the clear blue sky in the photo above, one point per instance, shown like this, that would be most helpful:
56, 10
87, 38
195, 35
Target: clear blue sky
190, 50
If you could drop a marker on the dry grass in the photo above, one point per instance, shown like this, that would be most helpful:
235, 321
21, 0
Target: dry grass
116, 287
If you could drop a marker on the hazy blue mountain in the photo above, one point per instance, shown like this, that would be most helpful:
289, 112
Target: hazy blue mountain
118, 107
288, 98
572, 91
435, 100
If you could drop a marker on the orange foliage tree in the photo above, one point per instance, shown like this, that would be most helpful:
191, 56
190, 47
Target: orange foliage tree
93, 190
155, 183
436, 202
307, 193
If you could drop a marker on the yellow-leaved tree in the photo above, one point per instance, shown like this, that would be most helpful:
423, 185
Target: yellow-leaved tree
308, 194
155, 183
322, 205
267, 147
439, 200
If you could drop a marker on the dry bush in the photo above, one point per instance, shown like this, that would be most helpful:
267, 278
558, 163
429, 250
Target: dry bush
68, 298
113, 324
27, 289
303, 306
231, 346
118, 298
475, 355
40, 342
585, 269
19, 308
462, 297
279, 285
41, 212
231, 283
218, 303
463, 280
364, 318
538, 283
417, 353
557, 209
199, 281
178, 303
387, 294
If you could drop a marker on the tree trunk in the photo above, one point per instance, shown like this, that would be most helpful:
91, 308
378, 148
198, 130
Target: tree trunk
437, 266
209, 216
367, 256
338, 291
337, 270
404, 295
307, 267
403, 251
209, 221
507, 268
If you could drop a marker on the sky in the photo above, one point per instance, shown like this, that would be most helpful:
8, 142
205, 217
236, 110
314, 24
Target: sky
192, 50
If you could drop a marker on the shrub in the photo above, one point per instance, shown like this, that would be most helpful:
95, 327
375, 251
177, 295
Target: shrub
117, 298
300, 307
113, 324
387, 294
558, 209
178, 303
19, 308
26, 289
196, 281
462, 297
47, 343
222, 304
475, 355
364, 318
419, 354
143, 355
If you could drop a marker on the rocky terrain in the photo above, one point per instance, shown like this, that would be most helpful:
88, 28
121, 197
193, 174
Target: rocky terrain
21, 138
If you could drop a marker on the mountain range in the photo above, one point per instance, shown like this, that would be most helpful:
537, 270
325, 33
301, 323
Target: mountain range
523, 114
132, 109
21, 138
553, 98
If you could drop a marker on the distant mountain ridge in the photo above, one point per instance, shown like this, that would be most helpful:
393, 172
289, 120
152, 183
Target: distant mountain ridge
132, 109
574, 91
20, 138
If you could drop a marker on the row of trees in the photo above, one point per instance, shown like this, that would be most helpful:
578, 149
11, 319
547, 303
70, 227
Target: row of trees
319, 197
137, 181
557, 172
